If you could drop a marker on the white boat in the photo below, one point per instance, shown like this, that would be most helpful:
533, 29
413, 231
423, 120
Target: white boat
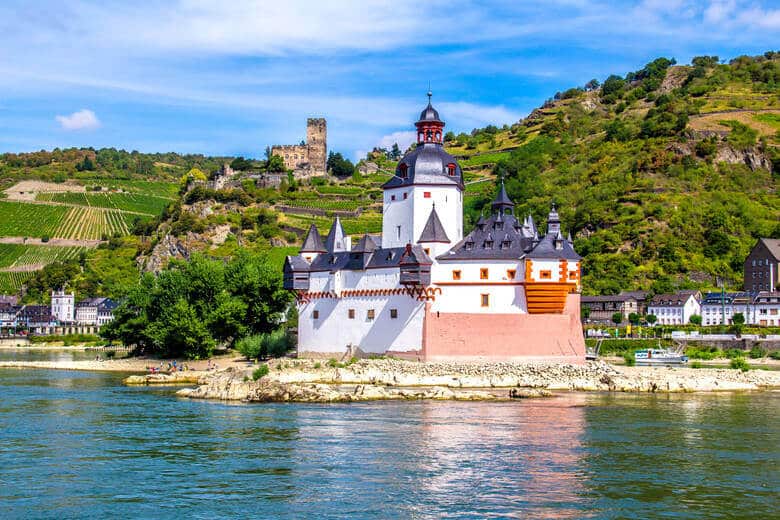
659, 356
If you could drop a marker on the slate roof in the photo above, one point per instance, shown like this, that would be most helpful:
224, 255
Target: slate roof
622, 297
313, 241
426, 164
336, 237
429, 113
670, 300
356, 261
773, 244
433, 230
90, 302
502, 237
36, 314
365, 245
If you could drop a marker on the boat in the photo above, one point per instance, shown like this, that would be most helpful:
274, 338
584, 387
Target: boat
659, 356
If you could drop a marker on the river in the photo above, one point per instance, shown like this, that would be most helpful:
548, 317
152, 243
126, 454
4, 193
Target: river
79, 444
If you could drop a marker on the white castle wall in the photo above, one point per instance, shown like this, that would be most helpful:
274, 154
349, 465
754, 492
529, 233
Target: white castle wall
412, 213
465, 295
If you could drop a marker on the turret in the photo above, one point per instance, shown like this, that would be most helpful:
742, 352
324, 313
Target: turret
312, 244
553, 221
337, 241
502, 204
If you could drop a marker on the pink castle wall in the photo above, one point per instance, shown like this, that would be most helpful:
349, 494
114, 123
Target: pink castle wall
505, 337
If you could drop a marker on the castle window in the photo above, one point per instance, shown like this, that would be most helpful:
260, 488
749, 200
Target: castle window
370, 314
398, 230
351, 314
405, 195
483, 273
427, 251
392, 197
456, 274
427, 195
485, 300
315, 314
393, 314
572, 275
402, 170
545, 275
510, 273
451, 169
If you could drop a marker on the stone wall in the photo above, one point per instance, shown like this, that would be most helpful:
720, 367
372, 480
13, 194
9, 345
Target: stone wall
310, 159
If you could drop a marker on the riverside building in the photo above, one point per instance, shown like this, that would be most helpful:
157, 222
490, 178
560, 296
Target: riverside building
426, 290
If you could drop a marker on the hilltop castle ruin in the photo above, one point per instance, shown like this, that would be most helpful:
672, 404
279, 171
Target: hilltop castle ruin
307, 160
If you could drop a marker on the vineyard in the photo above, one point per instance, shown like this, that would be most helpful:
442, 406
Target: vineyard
93, 224
16, 255
135, 202
34, 220
11, 282
161, 189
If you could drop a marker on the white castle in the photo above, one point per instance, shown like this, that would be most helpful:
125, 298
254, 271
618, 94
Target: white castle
424, 291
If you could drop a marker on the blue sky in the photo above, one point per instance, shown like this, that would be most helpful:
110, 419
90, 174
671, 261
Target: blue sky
230, 77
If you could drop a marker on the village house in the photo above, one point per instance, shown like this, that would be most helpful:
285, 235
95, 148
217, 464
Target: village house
766, 309
601, 308
37, 319
63, 306
719, 308
762, 266
426, 290
675, 309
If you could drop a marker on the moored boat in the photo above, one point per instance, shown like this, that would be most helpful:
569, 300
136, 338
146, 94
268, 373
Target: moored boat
659, 356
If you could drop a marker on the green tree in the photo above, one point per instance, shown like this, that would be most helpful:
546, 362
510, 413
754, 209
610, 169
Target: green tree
339, 166
276, 164
695, 319
240, 164
651, 319
633, 318
617, 318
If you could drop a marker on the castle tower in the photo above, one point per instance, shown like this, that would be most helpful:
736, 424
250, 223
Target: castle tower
425, 176
317, 144
62, 306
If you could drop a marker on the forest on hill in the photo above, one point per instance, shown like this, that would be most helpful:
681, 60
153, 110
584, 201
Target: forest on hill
666, 177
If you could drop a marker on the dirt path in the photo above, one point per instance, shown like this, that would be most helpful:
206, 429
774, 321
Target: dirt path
56, 242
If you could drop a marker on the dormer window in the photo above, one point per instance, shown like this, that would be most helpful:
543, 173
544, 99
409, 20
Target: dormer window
451, 169
469, 246
488, 244
498, 225
505, 244
403, 170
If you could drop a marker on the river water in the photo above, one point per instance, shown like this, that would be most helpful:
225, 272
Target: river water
81, 445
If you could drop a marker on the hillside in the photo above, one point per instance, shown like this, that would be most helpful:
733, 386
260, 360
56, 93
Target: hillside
666, 176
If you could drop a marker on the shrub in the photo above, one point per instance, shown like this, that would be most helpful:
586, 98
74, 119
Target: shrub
703, 352
696, 364
734, 353
317, 365
262, 371
630, 359
275, 344
775, 354
757, 353
739, 364
110, 354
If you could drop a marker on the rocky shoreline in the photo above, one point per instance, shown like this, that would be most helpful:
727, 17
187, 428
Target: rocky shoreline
292, 380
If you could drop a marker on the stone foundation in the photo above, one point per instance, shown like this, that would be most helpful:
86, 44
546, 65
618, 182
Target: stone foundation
506, 337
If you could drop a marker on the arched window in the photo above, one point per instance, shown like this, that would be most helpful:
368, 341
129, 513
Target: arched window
438, 136
451, 169
402, 170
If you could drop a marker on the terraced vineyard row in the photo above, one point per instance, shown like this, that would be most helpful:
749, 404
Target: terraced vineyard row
14, 255
10, 283
157, 188
92, 224
34, 220
136, 202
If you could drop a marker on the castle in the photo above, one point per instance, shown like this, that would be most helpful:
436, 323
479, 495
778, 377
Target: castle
422, 290
310, 159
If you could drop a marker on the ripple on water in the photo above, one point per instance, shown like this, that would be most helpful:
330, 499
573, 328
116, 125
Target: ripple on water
82, 445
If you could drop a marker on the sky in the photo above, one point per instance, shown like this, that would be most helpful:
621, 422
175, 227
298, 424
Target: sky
231, 77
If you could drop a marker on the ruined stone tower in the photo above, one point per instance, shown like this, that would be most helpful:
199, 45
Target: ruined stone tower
310, 159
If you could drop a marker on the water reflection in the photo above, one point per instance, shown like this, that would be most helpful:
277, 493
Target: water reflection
74, 444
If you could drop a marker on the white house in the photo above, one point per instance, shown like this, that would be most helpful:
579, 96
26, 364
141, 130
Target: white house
423, 290
720, 308
675, 309
62, 306
766, 309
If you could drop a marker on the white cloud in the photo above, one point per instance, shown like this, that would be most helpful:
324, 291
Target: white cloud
404, 139
81, 120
